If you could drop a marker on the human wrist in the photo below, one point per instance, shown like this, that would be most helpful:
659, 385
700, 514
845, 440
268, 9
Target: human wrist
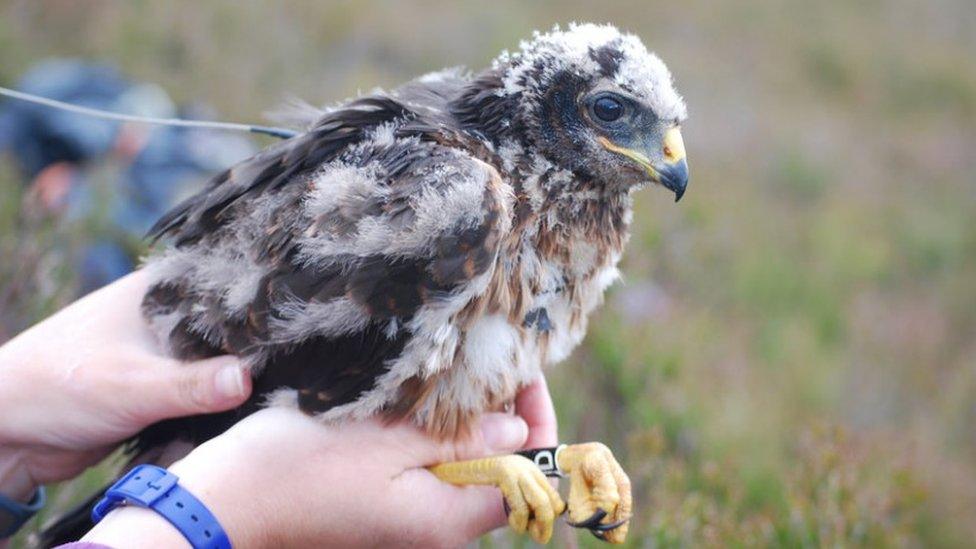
166, 503
131, 526
226, 493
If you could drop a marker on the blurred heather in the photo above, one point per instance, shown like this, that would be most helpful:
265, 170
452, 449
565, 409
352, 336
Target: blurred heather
791, 358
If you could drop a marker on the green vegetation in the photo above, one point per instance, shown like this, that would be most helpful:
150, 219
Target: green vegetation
790, 359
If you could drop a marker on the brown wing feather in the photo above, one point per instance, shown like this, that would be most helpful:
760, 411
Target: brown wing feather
327, 371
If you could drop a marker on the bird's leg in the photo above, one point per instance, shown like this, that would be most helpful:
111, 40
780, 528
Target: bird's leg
533, 504
599, 491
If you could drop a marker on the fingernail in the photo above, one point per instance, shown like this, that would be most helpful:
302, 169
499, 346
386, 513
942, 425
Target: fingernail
230, 381
503, 432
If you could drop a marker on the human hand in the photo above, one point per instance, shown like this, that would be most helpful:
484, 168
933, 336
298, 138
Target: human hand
76, 384
280, 479
50, 188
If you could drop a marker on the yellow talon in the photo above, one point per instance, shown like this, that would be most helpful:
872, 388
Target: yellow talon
534, 504
599, 494
597, 483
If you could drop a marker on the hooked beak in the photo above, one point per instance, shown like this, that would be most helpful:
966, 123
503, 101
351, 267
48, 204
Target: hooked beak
672, 172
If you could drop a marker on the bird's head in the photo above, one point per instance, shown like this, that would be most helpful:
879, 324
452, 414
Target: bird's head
594, 101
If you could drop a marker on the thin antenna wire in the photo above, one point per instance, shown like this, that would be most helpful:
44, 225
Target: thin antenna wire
98, 113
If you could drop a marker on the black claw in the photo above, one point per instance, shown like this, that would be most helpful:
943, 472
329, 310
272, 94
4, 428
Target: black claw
590, 522
596, 528
609, 526
508, 509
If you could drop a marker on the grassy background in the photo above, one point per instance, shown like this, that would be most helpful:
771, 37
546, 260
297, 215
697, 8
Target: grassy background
791, 360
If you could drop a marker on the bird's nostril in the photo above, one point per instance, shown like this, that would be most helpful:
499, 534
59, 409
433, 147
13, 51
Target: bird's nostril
667, 151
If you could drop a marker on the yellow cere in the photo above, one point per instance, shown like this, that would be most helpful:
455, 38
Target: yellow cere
674, 145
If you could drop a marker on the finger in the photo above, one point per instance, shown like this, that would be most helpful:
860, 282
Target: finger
473, 511
495, 434
534, 405
500, 434
454, 515
117, 304
177, 389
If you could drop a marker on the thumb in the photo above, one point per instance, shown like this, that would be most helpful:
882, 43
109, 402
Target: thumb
495, 434
503, 433
201, 387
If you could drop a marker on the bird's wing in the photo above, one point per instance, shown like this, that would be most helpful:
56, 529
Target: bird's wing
341, 259
276, 167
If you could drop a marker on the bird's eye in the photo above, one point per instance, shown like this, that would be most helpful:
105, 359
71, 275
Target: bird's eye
608, 109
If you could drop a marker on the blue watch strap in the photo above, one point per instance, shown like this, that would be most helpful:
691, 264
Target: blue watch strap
13, 514
157, 489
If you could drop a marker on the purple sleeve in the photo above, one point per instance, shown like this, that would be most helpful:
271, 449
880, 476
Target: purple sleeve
82, 545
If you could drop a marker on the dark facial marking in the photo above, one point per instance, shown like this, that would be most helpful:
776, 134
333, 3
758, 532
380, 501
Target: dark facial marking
608, 58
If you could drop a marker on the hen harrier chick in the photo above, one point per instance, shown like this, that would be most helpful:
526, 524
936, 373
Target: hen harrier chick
424, 253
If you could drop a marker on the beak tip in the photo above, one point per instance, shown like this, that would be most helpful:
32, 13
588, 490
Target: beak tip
675, 177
